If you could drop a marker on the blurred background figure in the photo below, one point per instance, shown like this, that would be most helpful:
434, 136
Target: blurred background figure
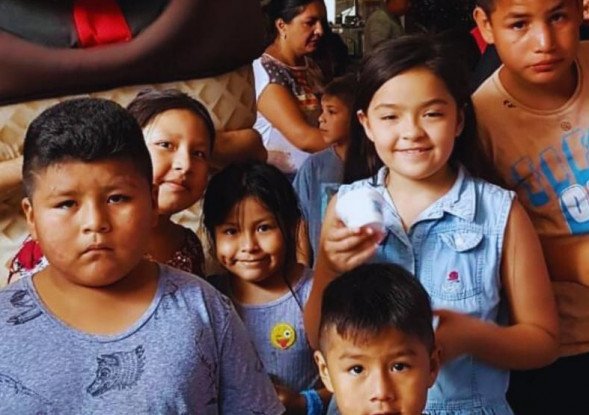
385, 23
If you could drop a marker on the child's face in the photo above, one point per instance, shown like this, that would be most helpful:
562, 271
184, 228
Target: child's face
413, 121
249, 244
537, 40
334, 121
91, 219
388, 373
179, 145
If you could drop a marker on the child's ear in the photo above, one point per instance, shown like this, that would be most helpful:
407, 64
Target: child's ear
434, 366
459, 123
363, 119
483, 21
323, 370
27, 207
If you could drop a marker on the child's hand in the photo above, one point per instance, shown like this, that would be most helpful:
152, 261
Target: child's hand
346, 248
294, 403
452, 334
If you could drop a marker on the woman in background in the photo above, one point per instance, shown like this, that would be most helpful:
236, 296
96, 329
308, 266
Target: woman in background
288, 83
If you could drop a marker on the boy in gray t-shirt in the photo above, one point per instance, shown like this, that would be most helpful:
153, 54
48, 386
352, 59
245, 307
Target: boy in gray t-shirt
100, 329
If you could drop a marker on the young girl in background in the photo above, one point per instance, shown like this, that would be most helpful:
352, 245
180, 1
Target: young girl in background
179, 134
469, 242
252, 216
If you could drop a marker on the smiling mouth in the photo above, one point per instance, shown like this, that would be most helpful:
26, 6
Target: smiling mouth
414, 150
178, 186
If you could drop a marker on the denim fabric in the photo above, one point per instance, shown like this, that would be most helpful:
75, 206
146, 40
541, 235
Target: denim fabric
454, 249
315, 183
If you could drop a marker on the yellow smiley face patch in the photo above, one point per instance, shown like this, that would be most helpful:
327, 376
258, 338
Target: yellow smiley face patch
283, 336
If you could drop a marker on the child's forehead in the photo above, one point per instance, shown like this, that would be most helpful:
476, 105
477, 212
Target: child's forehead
522, 6
70, 172
359, 339
331, 99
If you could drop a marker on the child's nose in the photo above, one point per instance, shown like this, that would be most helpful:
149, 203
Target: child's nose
543, 37
181, 161
410, 129
96, 219
382, 387
248, 242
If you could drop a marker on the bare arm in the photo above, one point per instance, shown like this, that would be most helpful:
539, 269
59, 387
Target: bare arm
237, 145
340, 249
532, 338
10, 175
280, 108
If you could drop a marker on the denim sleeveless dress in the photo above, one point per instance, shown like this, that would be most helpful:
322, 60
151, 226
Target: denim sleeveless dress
454, 249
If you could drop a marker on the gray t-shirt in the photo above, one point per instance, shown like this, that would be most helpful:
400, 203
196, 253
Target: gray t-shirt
277, 331
187, 354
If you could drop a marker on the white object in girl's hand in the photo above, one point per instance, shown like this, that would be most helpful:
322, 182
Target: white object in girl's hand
360, 208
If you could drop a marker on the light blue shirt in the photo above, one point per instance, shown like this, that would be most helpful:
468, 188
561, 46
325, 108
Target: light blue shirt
454, 248
187, 354
278, 333
316, 182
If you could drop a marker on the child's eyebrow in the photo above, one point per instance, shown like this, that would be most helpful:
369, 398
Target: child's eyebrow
423, 104
519, 15
559, 6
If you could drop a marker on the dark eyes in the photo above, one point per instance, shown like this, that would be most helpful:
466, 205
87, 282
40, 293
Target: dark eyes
356, 370
200, 154
112, 199
118, 198
66, 204
163, 144
264, 227
167, 145
518, 25
398, 367
229, 231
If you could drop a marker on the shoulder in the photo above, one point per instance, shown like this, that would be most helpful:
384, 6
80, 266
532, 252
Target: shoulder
377, 16
198, 296
16, 296
494, 203
487, 90
373, 181
317, 160
583, 56
484, 188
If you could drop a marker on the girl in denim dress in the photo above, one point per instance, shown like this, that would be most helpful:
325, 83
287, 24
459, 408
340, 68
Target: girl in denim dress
469, 242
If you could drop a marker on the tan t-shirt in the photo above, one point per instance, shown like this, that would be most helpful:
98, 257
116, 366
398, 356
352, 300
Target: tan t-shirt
544, 157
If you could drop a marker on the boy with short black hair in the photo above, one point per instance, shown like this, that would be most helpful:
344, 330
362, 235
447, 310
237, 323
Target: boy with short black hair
533, 116
320, 176
377, 350
101, 329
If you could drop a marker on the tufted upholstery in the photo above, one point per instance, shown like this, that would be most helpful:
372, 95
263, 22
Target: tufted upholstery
229, 98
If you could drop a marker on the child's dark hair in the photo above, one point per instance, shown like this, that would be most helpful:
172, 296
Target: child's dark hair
282, 9
344, 88
373, 297
86, 130
233, 184
151, 102
488, 6
393, 58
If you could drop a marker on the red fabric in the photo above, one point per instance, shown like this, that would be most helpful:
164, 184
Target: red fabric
99, 22
476, 33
